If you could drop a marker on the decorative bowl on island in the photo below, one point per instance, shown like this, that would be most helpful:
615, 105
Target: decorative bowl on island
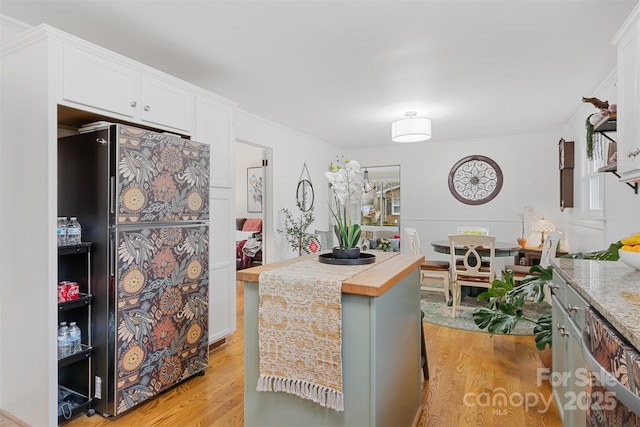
631, 258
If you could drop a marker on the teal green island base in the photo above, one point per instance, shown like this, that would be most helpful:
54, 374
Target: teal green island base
380, 352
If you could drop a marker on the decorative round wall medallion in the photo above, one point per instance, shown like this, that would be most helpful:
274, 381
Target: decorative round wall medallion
475, 180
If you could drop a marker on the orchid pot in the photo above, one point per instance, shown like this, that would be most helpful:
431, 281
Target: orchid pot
345, 178
346, 253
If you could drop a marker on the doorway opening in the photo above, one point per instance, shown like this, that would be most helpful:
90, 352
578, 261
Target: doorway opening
250, 205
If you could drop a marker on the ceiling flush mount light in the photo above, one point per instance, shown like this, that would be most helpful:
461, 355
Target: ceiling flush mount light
411, 129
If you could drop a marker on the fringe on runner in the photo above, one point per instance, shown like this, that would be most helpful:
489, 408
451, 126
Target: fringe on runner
324, 396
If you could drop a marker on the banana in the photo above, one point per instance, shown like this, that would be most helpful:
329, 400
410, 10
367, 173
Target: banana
633, 239
630, 241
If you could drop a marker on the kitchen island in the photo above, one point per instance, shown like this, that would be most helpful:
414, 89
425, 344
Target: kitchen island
612, 288
380, 350
596, 307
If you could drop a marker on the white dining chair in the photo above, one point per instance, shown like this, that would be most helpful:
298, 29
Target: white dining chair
549, 248
434, 275
471, 272
473, 229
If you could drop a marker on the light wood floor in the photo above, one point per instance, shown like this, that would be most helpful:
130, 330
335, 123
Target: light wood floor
468, 371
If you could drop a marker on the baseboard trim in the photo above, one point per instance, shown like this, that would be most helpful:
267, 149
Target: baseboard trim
4, 415
217, 344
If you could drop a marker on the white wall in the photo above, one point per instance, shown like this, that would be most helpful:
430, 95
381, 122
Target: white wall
622, 206
529, 166
288, 151
531, 177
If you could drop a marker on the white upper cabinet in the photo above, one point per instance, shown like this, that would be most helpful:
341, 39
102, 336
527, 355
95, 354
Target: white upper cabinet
103, 84
628, 127
165, 104
96, 82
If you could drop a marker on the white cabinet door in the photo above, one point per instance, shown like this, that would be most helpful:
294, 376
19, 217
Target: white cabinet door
568, 379
166, 105
214, 126
628, 44
559, 350
122, 92
576, 407
93, 81
222, 266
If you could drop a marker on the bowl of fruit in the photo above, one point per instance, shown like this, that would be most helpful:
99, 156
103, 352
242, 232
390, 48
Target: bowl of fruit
630, 251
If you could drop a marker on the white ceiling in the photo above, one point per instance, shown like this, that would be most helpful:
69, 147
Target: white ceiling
342, 70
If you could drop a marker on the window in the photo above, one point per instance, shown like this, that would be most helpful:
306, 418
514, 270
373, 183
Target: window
595, 185
395, 205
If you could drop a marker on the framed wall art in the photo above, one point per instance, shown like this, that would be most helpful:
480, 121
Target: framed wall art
475, 180
255, 182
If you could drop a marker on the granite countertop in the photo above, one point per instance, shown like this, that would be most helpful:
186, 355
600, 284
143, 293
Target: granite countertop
611, 287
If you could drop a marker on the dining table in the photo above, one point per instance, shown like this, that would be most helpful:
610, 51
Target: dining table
502, 249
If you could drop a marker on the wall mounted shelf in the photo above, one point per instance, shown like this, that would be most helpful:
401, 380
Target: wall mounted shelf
609, 124
613, 168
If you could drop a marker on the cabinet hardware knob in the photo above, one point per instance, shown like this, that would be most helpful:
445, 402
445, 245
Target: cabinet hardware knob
633, 153
572, 307
147, 108
133, 103
564, 333
554, 287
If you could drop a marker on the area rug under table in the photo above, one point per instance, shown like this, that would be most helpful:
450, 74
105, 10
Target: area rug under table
436, 311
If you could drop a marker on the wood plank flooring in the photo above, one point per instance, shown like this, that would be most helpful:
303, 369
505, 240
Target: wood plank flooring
469, 371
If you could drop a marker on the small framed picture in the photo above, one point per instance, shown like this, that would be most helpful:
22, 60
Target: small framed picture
255, 182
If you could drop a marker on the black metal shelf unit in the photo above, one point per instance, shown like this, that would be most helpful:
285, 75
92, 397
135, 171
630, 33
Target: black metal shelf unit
74, 371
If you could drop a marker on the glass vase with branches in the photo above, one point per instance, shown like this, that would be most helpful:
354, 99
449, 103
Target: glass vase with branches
295, 229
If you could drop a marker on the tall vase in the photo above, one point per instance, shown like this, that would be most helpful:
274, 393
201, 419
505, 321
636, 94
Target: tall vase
522, 242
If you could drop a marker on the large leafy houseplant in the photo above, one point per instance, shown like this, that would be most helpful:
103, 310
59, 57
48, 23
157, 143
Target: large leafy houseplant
506, 301
345, 178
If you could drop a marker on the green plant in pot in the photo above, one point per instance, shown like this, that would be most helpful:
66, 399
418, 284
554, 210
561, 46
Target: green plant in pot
506, 302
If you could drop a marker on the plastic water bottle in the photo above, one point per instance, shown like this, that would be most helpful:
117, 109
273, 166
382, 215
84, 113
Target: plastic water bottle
76, 338
74, 233
62, 230
64, 342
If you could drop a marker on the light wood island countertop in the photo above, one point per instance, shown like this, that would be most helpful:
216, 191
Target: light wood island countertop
373, 282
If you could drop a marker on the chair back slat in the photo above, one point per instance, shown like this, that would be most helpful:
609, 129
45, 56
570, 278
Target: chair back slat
414, 241
479, 273
472, 266
549, 247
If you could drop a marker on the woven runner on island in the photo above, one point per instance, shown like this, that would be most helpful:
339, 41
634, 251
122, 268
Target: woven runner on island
300, 329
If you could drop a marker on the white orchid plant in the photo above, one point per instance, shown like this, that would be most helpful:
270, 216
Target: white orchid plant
345, 178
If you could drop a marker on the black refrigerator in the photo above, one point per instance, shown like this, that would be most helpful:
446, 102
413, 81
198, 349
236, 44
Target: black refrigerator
142, 199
